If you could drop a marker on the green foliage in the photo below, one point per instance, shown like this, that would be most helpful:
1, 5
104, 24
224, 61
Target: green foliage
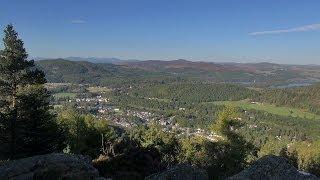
304, 155
193, 93
226, 120
305, 98
307, 155
85, 133
274, 147
238, 149
262, 126
221, 158
154, 137
196, 151
27, 127
277, 110
38, 130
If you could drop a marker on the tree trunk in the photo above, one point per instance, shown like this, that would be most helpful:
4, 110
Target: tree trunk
13, 124
13, 134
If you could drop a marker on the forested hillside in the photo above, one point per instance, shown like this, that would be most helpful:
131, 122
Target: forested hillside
193, 93
258, 75
60, 70
307, 98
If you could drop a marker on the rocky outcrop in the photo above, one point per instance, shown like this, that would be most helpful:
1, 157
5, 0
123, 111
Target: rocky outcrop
64, 166
272, 167
50, 166
181, 172
136, 163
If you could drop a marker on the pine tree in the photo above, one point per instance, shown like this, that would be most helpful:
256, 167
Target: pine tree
27, 127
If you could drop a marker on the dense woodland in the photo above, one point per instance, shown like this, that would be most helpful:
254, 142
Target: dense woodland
307, 98
64, 71
30, 126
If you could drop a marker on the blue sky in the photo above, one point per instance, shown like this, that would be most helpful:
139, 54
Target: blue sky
281, 31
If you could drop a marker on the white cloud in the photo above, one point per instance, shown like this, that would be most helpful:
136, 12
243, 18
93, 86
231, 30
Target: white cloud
310, 27
78, 21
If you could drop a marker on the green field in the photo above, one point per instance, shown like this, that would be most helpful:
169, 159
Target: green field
64, 95
161, 100
96, 89
282, 111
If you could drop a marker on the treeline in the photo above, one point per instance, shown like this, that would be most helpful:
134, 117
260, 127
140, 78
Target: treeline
193, 93
307, 98
261, 127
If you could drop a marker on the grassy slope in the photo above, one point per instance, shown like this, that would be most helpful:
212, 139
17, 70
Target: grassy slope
64, 95
278, 110
97, 89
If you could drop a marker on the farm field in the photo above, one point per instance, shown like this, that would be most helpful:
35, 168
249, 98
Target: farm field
278, 110
98, 89
64, 95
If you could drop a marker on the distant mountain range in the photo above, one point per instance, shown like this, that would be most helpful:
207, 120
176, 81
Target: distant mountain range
89, 59
79, 70
94, 59
181, 64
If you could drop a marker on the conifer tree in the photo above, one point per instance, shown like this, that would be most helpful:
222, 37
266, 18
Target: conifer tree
26, 125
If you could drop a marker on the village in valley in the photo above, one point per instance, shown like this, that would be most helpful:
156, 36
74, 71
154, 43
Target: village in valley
95, 101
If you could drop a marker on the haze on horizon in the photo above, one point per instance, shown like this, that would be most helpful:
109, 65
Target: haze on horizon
285, 32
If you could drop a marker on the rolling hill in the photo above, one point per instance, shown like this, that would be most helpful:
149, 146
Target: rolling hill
245, 73
253, 74
61, 70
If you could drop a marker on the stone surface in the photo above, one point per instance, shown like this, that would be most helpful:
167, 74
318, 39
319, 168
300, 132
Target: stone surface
181, 172
272, 167
49, 166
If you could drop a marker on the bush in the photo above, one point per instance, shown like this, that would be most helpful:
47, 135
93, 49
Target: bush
308, 156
